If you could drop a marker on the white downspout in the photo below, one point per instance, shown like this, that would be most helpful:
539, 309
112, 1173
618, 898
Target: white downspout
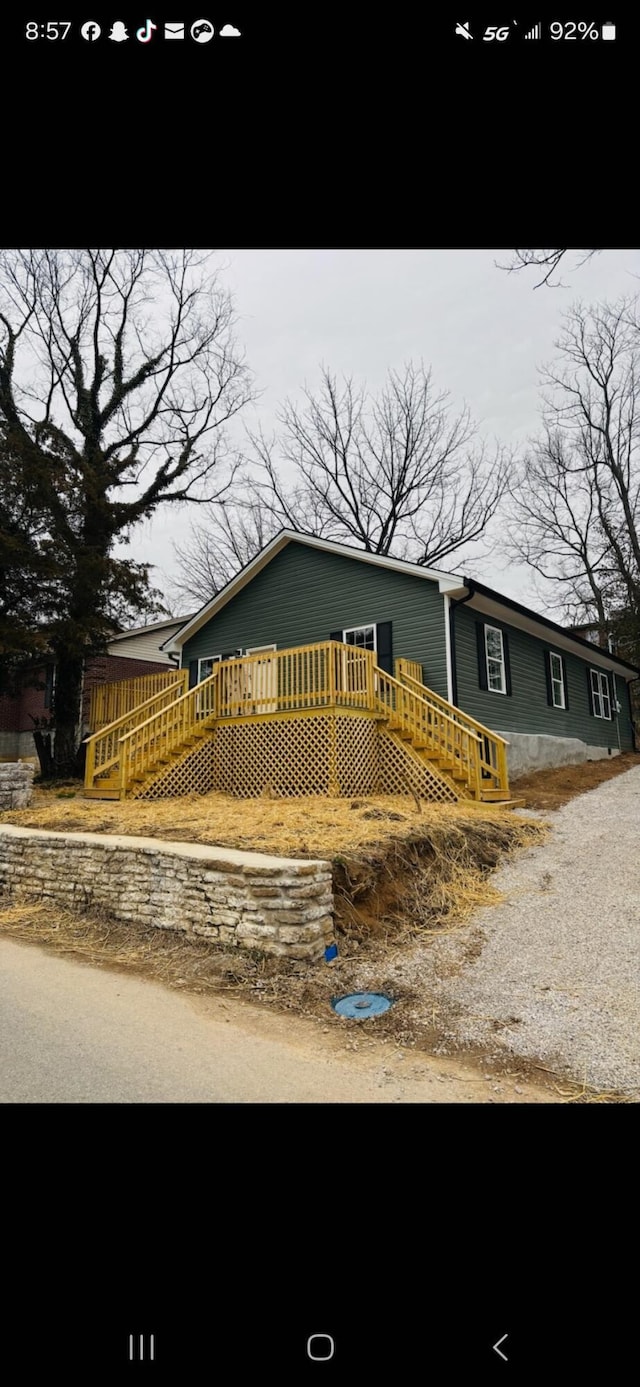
447, 646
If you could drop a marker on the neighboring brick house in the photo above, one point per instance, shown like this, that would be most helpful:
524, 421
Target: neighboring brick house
129, 654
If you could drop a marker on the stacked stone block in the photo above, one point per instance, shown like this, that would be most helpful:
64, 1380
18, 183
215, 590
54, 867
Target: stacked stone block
280, 906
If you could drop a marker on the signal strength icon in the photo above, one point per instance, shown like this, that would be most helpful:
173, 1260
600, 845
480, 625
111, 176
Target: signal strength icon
535, 33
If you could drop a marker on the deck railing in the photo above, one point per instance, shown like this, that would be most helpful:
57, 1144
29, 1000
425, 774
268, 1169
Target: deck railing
309, 676
305, 676
493, 760
108, 702
103, 747
328, 674
171, 729
409, 667
431, 728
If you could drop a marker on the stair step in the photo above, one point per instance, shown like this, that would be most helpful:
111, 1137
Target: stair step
506, 803
494, 794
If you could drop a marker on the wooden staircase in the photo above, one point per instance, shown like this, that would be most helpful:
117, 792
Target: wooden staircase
464, 751
459, 757
143, 742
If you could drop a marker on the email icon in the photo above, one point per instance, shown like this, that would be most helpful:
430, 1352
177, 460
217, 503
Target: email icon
174, 31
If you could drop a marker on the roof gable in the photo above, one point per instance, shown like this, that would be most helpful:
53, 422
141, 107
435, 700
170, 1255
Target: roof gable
251, 570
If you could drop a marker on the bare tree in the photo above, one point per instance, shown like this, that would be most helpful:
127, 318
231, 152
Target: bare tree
118, 372
576, 495
394, 474
548, 261
232, 535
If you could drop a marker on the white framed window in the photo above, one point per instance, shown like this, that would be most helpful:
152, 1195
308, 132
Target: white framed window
494, 650
600, 695
257, 649
558, 696
362, 636
205, 666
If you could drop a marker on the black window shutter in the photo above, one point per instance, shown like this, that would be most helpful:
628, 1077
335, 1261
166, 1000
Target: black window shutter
193, 673
547, 671
507, 662
564, 680
590, 688
48, 686
335, 635
385, 648
608, 679
482, 656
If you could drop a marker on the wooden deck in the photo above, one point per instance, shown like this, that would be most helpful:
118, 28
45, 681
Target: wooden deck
458, 757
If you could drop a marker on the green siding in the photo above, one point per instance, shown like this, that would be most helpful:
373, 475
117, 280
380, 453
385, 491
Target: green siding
305, 593
527, 710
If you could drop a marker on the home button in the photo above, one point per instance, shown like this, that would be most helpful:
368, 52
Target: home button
320, 1347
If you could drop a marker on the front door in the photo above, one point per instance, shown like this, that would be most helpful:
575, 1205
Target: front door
262, 680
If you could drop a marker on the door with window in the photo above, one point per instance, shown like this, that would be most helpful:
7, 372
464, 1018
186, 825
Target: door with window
262, 680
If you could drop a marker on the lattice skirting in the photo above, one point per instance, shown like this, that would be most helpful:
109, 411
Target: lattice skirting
296, 757
192, 774
398, 765
317, 754
356, 755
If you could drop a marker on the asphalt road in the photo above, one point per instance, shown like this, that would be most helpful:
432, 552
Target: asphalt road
74, 1033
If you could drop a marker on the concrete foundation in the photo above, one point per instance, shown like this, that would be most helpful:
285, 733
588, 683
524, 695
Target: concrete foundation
530, 751
17, 746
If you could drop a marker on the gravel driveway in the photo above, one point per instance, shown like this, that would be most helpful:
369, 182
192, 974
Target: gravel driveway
553, 973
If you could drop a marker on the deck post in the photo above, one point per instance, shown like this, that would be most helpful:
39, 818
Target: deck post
334, 787
332, 674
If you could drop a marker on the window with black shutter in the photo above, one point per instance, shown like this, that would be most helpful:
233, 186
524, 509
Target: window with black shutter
494, 663
599, 694
376, 636
556, 677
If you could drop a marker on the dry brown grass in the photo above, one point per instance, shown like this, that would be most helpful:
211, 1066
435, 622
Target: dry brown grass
288, 828
399, 866
550, 789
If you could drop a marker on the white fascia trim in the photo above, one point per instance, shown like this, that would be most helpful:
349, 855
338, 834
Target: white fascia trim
447, 647
274, 547
487, 607
154, 626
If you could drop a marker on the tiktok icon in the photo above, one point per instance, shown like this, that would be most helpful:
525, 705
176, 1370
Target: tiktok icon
145, 34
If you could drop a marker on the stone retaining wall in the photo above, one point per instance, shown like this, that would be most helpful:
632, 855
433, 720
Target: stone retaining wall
277, 905
16, 785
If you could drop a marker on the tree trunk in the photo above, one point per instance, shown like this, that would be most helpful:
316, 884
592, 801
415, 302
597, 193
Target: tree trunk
43, 747
67, 712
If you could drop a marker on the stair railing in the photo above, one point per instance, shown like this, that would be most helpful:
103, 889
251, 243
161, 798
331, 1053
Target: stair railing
431, 728
103, 747
493, 760
167, 730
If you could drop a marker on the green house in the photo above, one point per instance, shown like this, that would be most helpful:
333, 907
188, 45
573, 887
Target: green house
324, 670
554, 697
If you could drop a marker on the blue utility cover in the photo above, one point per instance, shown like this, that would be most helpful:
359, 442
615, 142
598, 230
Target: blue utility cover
360, 1005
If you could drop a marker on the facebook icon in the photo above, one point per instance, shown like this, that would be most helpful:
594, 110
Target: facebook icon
90, 31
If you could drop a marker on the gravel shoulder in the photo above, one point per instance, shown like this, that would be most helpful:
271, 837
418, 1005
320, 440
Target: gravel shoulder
553, 973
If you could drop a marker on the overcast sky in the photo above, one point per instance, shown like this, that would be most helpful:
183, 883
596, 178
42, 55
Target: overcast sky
360, 312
